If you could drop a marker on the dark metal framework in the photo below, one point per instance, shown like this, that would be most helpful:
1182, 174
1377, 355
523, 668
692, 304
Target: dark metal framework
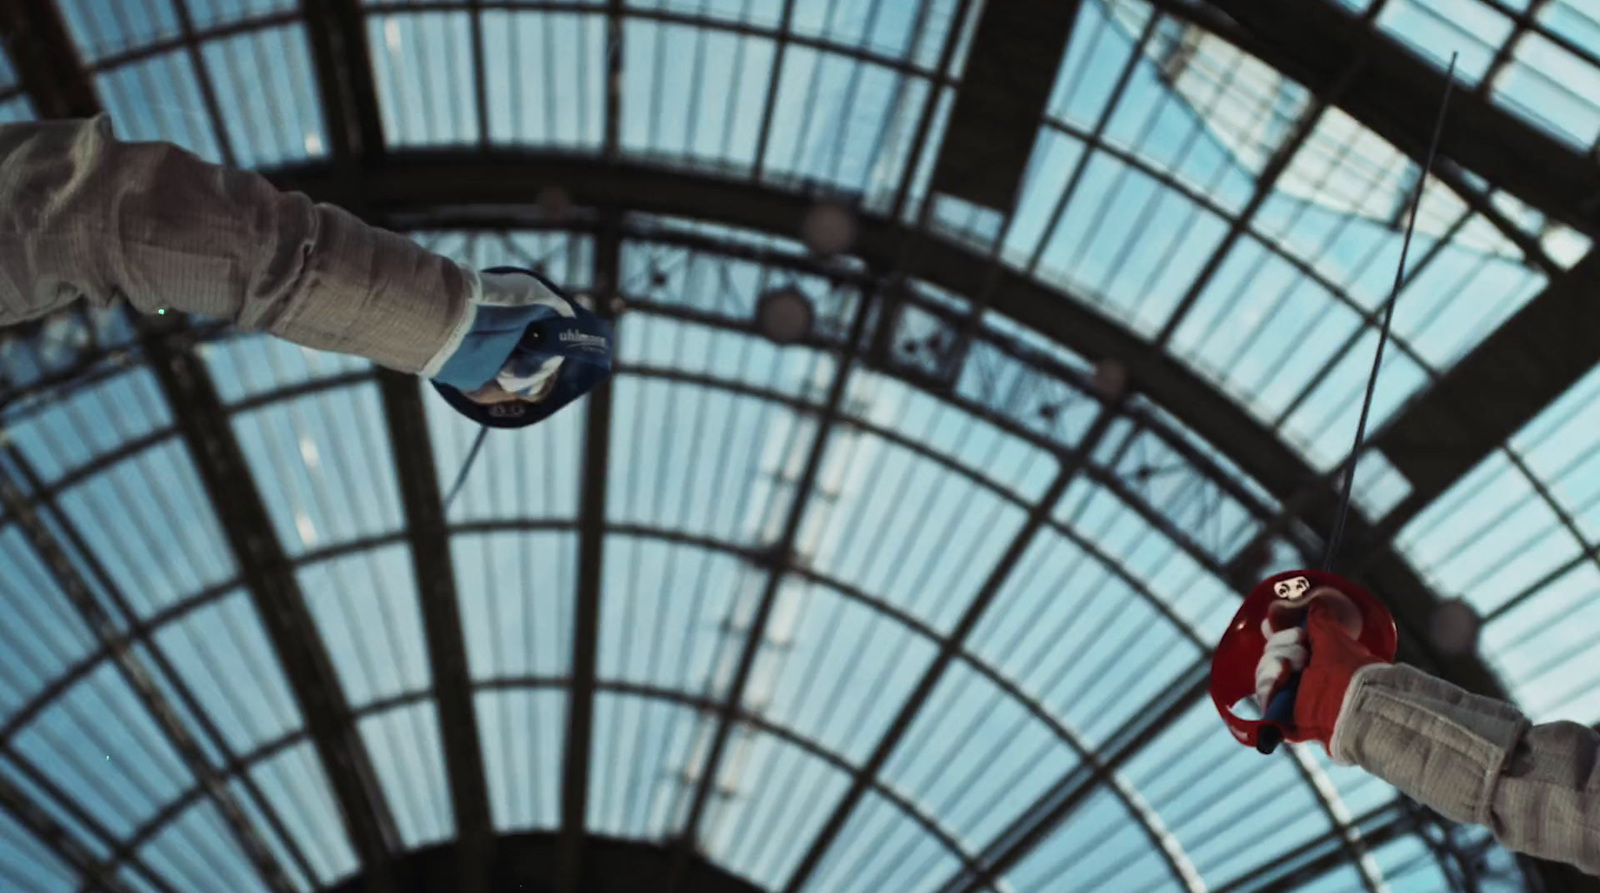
1387, 88
429, 542
591, 560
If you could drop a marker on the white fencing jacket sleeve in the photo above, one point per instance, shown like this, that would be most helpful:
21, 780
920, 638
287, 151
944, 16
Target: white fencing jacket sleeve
83, 215
1475, 759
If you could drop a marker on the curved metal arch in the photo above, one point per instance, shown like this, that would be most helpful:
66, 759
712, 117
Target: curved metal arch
1147, 819
1142, 815
266, 750
428, 189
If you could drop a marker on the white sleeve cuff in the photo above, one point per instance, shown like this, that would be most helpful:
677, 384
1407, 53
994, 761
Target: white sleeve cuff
463, 325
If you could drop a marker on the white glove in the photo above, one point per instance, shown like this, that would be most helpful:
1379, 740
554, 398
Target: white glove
1286, 653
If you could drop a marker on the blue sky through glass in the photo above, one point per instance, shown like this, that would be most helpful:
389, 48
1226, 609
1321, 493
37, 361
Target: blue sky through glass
1128, 199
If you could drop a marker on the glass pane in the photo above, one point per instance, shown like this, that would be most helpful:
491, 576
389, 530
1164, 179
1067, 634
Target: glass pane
523, 733
107, 27
198, 854
409, 759
783, 795
158, 99
545, 78
329, 459
424, 68
98, 745
516, 590
292, 781
264, 83
367, 610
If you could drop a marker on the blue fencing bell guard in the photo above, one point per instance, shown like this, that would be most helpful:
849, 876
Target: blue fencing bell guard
583, 342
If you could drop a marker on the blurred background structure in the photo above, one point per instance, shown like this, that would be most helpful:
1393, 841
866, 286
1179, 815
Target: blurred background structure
975, 358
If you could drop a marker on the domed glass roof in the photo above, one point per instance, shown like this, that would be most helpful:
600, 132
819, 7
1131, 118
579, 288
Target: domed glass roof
923, 602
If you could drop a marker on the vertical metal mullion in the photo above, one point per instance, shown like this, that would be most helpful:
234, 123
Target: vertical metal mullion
208, 90
575, 794
774, 85
480, 75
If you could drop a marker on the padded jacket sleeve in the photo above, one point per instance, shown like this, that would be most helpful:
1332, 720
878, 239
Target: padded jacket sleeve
1474, 759
83, 215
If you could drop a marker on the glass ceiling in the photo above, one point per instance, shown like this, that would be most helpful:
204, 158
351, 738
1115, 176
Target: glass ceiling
1144, 198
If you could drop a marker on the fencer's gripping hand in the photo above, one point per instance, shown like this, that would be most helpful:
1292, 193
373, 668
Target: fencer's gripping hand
1325, 656
481, 349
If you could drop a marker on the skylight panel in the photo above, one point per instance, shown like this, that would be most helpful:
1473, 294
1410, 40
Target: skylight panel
515, 592
367, 610
1574, 20
1490, 539
546, 77
546, 489
158, 99
641, 784
125, 515
409, 760
293, 783
976, 757
100, 717
523, 731
27, 864
1553, 88
695, 94
764, 14
104, 28
329, 454
670, 619
833, 665
258, 367
762, 833
843, 122
1435, 29
196, 850
43, 635
901, 526
424, 69
1098, 846
1561, 448
1335, 404
1542, 653
737, 487
877, 831
269, 102
66, 435
208, 14
221, 653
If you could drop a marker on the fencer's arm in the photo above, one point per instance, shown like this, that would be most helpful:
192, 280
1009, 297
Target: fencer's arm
1475, 759
83, 215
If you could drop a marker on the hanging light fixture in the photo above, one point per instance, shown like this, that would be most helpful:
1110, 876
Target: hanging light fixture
785, 314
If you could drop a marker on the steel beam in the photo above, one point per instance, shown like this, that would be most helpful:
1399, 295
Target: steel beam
1396, 95
73, 811
56, 557
1038, 518
56, 838
1489, 395
46, 60
1298, 867
429, 541
1052, 808
345, 83
586, 618
1005, 91
269, 577
428, 181
780, 555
